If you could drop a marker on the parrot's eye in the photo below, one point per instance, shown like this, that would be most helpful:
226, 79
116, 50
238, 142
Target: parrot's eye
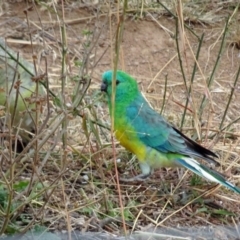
117, 82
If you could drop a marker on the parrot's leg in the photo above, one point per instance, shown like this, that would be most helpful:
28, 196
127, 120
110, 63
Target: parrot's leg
146, 172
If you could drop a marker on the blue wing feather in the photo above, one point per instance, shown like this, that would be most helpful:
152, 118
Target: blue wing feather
159, 134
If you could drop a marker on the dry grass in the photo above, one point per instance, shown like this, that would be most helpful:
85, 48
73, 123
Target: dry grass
73, 181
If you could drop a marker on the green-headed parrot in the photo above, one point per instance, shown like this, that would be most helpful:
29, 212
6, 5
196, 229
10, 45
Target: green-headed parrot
154, 141
17, 95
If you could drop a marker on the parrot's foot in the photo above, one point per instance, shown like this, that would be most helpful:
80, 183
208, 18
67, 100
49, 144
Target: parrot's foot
138, 178
146, 172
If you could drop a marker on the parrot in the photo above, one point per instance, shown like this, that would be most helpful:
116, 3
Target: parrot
145, 133
19, 109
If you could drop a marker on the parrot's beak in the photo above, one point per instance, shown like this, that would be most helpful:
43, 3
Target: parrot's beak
104, 87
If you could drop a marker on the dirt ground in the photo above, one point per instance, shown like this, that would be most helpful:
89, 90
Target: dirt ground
148, 50
149, 53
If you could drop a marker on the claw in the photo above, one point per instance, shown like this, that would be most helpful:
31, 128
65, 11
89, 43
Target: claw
138, 178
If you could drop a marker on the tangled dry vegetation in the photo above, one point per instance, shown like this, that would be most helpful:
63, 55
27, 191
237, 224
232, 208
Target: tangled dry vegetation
66, 178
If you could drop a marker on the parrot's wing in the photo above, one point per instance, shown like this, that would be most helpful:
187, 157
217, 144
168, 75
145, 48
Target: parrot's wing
16, 87
157, 133
14, 67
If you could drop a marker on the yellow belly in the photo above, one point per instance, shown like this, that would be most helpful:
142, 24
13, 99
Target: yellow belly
130, 141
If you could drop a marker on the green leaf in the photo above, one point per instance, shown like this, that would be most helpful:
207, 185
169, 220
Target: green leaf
20, 186
223, 212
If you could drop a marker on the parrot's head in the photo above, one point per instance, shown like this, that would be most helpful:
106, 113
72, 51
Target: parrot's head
126, 86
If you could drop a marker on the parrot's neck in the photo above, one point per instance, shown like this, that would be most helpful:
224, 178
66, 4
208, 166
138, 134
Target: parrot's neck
120, 107
121, 103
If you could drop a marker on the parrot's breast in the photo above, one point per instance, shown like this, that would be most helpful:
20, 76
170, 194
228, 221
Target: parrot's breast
128, 138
